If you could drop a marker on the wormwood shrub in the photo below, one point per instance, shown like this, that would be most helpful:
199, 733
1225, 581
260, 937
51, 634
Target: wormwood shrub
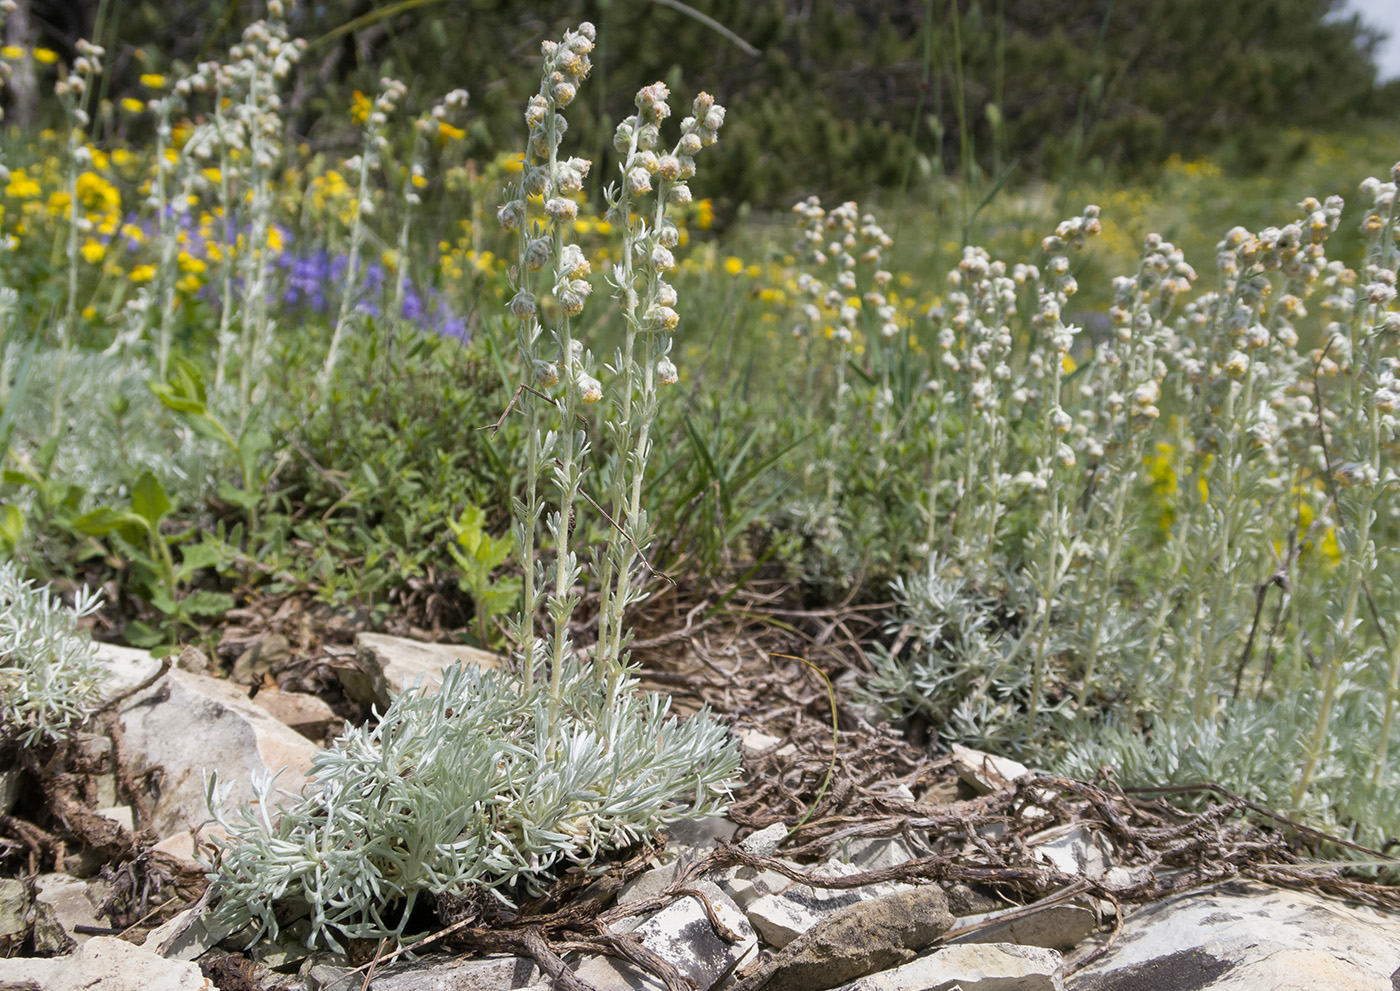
49, 680
483, 788
1159, 536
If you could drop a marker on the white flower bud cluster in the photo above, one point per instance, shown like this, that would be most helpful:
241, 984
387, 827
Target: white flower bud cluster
843, 239
557, 182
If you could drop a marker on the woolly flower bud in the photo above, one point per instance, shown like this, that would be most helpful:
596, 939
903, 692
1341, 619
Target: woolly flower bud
1236, 364
622, 137
572, 263
1064, 454
563, 93
590, 390
1385, 401
889, 331
665, 294
546, 373
668, 167
535, 111
522, 304
511, 215
651, 101
690, 144
668, 236
537, 252
561, 209
666, 372
638, 181
662, 318
572, 294
680, 194
662, 260
1061, 421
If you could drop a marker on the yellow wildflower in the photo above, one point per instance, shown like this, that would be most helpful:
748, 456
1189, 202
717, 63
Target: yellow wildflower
152, 80
704, 213
359, 107
143, 273
21, 187
733, 265
12, 52
92, 251
45, 56
446, 132
189, 263
132, 105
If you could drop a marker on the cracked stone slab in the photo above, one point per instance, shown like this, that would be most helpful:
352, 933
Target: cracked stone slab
861, 939
235, 737
1054, 927
792, 908
680, 933
1245, 938
973, 967
384, 666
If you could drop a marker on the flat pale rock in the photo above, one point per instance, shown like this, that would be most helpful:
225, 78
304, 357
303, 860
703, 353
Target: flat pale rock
384, 666
307, 714
192, 725
453, 974
680, 933
1250, 938
985, 773
1074, 849
977, 967
860, 939
72, 902
125, 667
103, 963
792, 909
1055, 927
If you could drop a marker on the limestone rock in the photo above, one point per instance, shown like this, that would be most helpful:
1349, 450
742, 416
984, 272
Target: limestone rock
861, 939
765, 842
69, 902
14, 914
1244, 938
681, 934
880, 853
453, 974
385, 665
307, 714
191, 725
792, 909
1055, 927
985, 773
103, 963
975, 967
188, 935
125, 667
1074, 849
755, 742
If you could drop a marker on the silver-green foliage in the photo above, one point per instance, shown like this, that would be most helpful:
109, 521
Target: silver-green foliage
49, 679
480, 787
966, 668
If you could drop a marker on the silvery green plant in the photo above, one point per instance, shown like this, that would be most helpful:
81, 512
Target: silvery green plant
49, 679
964, 669
652, 186
486, 787
481, 789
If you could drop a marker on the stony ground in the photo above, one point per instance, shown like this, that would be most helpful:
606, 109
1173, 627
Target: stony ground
849, 858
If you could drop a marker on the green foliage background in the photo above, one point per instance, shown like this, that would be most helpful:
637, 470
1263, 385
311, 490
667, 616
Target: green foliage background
862, 93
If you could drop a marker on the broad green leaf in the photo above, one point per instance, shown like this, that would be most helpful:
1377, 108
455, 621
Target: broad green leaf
149, 501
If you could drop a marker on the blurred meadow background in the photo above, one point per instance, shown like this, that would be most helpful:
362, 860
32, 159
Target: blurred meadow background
1034, 368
